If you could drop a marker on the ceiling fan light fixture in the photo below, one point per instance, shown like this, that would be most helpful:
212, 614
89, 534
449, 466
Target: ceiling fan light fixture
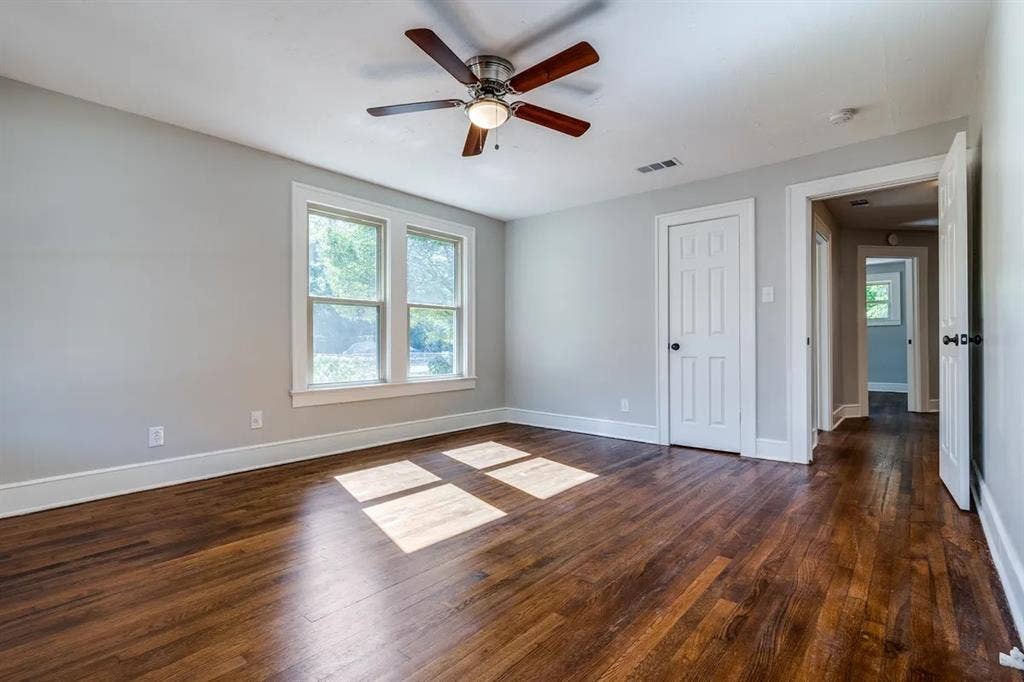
488, 113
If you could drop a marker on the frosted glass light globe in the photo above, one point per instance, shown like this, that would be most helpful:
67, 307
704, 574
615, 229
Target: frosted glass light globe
488, 113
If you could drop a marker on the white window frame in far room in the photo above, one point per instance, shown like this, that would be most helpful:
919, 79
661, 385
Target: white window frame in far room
394, 320
892, 280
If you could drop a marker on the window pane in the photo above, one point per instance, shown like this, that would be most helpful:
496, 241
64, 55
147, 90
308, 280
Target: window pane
877, 292
343, 258
431, 342
346, 344
878, 311
431, 269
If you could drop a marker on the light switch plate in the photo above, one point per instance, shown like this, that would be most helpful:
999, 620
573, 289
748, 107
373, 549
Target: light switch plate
767, 294
256, 419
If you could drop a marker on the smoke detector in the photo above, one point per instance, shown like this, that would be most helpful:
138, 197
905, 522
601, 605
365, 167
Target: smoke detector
841, 116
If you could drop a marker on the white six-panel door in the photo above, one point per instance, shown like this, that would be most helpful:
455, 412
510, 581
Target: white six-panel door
954, 365
704, 320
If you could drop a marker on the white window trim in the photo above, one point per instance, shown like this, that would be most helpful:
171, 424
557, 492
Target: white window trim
395, 322
895, 313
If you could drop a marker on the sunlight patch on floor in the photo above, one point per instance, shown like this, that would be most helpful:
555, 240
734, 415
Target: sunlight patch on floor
483, 455
424, 518
368, 484
541, 477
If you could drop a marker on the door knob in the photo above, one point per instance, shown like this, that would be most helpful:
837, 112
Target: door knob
955, 340
976, 339
674, 346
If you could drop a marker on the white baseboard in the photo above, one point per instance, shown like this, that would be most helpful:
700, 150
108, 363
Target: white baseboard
58, 491
933, 404
844, 412
775, 450
644, 433
1004, 554
887, 387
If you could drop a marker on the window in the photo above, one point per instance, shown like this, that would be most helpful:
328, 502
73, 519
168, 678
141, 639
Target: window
882, 299
345, 298
433, 296
381, 301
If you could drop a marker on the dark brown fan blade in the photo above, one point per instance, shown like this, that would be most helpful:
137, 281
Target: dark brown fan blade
550, 119
475, 139
565, 62
428, 41
413, 106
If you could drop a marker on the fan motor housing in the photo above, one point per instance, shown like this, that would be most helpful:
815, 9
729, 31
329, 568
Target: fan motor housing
492, 71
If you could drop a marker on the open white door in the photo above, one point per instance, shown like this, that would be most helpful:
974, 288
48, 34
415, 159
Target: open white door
954, 297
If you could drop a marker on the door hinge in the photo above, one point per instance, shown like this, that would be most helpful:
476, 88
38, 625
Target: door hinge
808, 340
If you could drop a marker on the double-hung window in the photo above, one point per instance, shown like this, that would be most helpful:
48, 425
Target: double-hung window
346, 298
433, 294
882, 299
382, 301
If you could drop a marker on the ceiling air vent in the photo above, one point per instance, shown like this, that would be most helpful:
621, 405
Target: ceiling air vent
859, 202
659, 165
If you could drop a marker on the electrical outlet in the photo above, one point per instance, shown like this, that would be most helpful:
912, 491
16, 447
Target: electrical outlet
156, 436
256, 419
624, 405
767, 294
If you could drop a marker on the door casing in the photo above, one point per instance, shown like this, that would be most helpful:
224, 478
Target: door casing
798, 257
918, 379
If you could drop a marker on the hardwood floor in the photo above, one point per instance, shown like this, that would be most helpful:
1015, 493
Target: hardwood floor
671, 564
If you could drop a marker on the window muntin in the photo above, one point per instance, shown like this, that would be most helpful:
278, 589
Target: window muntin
345, 303
433, 278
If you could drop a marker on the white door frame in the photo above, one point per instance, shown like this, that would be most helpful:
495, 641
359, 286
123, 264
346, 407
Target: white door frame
744, 210
798, 262
916, 285
823, 326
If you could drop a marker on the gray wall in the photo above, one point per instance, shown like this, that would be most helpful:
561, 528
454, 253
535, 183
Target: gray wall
580, 286
144, 272
998, 370
887, 344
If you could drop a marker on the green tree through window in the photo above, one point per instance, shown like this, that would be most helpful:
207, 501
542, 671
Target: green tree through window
877, 299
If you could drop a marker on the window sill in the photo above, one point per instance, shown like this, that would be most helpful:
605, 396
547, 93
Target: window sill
884, 323
352, 394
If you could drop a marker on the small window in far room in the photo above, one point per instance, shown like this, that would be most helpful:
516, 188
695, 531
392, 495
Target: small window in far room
434, 307
882, 299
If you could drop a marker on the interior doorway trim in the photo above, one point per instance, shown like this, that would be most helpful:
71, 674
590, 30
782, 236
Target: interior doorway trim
798, 261
744, 210
917, 300
823, 325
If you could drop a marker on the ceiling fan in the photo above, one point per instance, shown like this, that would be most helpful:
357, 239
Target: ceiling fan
490, 80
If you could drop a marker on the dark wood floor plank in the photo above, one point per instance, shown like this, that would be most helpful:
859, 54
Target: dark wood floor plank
672, 564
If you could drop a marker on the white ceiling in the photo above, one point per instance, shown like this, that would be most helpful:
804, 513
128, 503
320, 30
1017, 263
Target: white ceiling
722, 86
910, 207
